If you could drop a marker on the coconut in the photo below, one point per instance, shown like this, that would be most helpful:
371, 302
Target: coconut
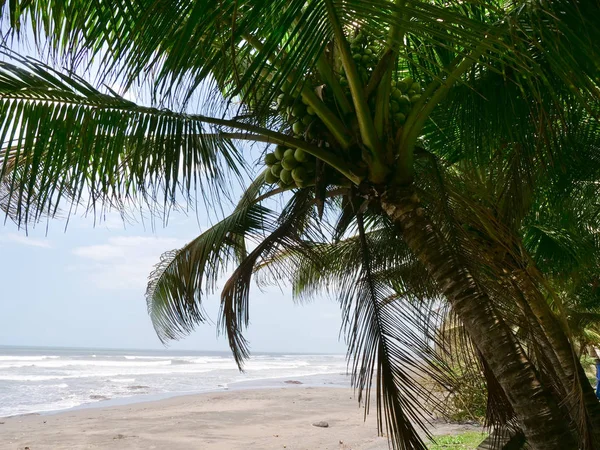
404, 100
409, 81
366, 59
286, 176
415, 98
289, 153
289, 162
367, 51
396, 94
298, 128
298, 110
276, 169
279, 152
270, 178
270, 159
300, 155
306, 120
402, 86
310, 111
299, 174
394, 107
400, 118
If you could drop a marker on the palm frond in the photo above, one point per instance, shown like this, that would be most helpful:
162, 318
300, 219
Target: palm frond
63, 138
287, 233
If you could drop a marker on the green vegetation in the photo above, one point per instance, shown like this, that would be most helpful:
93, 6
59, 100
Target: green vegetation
435, 162
464, 441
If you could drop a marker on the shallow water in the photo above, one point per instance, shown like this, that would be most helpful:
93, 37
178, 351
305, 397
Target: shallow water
35, 380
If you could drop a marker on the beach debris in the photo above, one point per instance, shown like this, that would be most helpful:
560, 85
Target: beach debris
2, 423
321, 424
293, 382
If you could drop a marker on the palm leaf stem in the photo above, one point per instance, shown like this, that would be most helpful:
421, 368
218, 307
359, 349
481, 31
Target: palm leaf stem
363, 115
331, 121
259, 134
382, 103
329, 77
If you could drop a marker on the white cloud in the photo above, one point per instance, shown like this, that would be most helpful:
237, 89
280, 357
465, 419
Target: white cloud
22, 239
123, 262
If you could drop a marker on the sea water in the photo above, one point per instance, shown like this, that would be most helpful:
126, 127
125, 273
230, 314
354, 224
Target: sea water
38, 379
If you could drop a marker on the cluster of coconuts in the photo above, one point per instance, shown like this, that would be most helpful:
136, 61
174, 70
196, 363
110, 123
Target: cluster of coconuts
298, 115
289, 167
404, 93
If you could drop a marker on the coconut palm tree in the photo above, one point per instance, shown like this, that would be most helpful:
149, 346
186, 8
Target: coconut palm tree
363, 98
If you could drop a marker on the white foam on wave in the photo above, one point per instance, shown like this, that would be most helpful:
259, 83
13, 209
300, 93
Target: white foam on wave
28, 358
122, 380
38, 383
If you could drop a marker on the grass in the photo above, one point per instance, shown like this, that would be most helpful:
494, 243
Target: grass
464, 441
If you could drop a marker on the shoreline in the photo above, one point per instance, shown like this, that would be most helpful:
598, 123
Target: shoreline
249, 419
310, 380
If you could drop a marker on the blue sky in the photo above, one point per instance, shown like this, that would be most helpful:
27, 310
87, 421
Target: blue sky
85, 287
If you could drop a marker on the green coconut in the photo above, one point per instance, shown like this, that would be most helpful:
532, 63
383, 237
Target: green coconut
410, 92
366, 59
280, 100
289, 162
300, 155
300, 174
306, 120
409, 81
402, 86
298, 128
394, 107
270, 178
367, 51
298, 110
286, 176
415, 98
270, 159
400, 118
310, 111
416, 86
396, 94
279, 151
289, 153
357, 57
404, 100
276, 169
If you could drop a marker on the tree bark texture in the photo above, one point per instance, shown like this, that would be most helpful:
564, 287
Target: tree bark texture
540, 417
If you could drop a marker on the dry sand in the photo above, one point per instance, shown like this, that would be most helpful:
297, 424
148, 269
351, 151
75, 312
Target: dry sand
242, 419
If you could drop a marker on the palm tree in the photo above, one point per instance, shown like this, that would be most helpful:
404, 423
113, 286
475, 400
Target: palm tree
332, 84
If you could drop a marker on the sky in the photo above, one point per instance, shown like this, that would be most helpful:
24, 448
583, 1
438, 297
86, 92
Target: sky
84, 287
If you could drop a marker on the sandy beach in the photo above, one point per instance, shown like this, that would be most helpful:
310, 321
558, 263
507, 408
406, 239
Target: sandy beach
256, 419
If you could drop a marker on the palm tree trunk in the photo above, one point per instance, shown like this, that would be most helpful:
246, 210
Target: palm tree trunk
539, 415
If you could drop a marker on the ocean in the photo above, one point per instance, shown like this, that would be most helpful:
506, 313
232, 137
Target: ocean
45, 379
